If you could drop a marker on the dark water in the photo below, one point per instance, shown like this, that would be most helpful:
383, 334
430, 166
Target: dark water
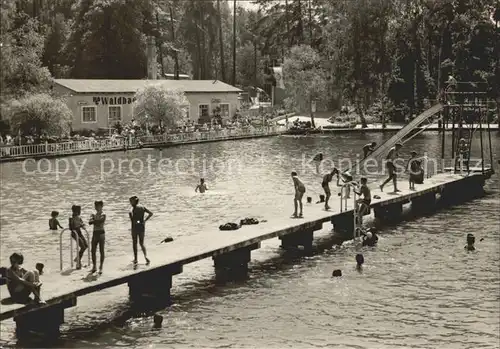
419, 288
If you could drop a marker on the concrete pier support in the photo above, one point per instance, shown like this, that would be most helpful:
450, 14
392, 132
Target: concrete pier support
343, 225
42, 325
388, 214
424, 204
455, 193
154, 285
233, 265
294, 240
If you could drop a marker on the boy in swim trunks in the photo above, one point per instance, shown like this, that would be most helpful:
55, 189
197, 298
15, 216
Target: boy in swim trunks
325, 184
317, 160
414, 166
98, 238
76, 225
391, 167
365, 201
53, 222
300, 189
138, 226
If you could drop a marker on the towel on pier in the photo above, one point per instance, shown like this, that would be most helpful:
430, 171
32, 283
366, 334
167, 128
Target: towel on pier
229, 226
249, 221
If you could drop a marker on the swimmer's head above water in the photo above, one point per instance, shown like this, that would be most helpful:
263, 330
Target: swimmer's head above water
360, 260
54, 214
202, 180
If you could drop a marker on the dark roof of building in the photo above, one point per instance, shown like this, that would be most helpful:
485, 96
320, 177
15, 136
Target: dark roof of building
131, 86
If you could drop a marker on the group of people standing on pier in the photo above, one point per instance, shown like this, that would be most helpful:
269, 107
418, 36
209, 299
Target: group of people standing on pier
413, 166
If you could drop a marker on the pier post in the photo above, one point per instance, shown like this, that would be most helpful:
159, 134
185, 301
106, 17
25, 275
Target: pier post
343, 224
388, 213
153, 284
304, 238
233, 265
424, 204
42, 324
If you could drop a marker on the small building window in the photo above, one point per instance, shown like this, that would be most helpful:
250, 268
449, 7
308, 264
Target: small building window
114, 114
203, 111
89, 114
224, 110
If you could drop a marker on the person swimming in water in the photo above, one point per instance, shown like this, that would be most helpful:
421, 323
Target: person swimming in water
471, 240
53, 222
202, 187
370, 238
360, 260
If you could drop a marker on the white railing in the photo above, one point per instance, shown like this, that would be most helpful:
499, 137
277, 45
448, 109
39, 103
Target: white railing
75, 147
61, 261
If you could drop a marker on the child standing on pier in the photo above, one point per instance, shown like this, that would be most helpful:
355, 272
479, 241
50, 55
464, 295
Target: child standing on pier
325, 184
391, 167
138, 226
98, 238
414, 167
53, 222
317, 161
300, 189
364, 202
76, 225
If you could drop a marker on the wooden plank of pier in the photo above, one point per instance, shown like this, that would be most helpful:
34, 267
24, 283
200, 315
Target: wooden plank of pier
57, 288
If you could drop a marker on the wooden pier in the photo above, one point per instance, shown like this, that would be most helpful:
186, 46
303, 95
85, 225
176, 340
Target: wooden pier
231, 255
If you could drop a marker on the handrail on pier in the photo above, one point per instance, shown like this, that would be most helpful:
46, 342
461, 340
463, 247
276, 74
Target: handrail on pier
343, 205
71, 247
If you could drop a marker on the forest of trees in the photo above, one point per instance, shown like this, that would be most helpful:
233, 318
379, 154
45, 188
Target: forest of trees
397, 53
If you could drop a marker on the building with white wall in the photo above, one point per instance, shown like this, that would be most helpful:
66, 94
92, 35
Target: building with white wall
100, 104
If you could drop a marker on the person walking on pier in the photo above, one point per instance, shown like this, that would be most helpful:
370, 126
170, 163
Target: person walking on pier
138, 226
98, 238
368, 149
317, 160
391, 167
325, 184
76, 225
300, 189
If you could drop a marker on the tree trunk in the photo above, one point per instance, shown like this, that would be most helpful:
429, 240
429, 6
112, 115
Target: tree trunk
310, 24
254, 63
233, 80
176, 56
287, 24
221, 43
360, 112
311, 113
159, 45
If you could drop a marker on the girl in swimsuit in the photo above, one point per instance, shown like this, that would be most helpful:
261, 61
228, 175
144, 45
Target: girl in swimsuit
75, 225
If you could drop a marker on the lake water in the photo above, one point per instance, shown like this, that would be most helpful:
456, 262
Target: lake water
419, 289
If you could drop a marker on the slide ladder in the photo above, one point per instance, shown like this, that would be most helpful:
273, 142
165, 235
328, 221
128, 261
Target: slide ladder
383, 149
61, 263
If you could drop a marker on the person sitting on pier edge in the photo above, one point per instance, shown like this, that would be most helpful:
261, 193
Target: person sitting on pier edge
317, 161
53, 222
370, 238
471, 240
76, 225
22, 283
414, 167
365, 201
368, 149
326, 187
138, 226
391, 167
300, 189
360, 260
202, 187
98, 238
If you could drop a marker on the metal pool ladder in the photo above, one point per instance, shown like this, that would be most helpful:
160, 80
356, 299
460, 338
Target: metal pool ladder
71, 247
